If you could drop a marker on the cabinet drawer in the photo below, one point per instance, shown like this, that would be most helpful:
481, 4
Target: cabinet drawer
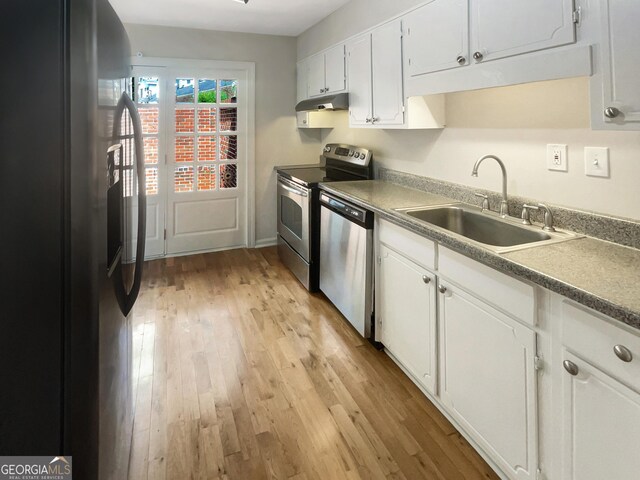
419, 249
593, 337
502, 291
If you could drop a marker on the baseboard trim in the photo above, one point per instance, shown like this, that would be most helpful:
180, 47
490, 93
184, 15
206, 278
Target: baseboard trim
266, 242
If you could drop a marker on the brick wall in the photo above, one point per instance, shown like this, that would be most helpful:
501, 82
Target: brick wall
183, 179
207, 120
206, 178
151, 150
206, 148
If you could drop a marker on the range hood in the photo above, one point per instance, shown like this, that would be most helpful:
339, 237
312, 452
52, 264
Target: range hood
339, 101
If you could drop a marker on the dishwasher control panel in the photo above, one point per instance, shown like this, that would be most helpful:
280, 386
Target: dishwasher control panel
346, 209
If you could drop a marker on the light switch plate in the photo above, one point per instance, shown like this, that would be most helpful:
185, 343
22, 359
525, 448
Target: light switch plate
557, 157
596, 161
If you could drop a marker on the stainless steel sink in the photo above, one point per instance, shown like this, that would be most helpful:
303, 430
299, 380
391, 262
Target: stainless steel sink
486, 228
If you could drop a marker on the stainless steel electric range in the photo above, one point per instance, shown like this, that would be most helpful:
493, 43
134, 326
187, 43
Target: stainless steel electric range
299, 206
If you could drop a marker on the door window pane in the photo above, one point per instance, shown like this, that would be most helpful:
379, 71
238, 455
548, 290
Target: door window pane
151, 177
206, 148
148, 90
228, 176
228, 147
184, 149
185, 120
228, 119
151, 150
207, 120
184, 90
149, 119
207, 91
228, 91
206, 178
183, 179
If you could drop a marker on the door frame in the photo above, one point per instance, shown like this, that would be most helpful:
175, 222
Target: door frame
250, 70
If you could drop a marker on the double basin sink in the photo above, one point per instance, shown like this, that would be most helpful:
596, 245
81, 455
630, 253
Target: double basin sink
485, 228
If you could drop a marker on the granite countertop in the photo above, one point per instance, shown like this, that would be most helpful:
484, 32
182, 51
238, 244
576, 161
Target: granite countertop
598, 274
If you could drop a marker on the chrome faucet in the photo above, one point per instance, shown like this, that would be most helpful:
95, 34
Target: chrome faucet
503, 203
548, 218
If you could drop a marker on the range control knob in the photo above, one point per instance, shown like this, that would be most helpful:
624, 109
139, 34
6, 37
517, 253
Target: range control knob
327, 149
351, 153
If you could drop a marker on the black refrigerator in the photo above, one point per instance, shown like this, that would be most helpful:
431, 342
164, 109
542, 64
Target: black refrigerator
72, 223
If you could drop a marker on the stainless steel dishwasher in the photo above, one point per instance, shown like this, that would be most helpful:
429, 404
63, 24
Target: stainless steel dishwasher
346, 260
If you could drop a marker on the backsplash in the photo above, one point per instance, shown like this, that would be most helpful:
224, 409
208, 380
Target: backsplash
605, 227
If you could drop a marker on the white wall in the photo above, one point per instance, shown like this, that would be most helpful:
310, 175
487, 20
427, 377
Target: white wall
514, 123
278, 142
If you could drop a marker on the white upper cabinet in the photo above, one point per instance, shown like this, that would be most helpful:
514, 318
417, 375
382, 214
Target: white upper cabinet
502, 28
302, 70
386, 63
376, 93
437, 37
327, 72
359, 75
616, 97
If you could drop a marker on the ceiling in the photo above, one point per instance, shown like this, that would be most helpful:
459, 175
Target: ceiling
274, 17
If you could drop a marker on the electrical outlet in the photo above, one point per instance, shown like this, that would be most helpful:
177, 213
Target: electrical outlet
596, 161
557, 157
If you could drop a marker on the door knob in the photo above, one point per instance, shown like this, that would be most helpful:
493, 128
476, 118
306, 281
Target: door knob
442, 289
426, 279
611, 112
623, 353
477, 56
461, 60
570, 367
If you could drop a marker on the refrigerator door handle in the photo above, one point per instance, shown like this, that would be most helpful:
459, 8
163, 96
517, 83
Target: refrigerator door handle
126, 102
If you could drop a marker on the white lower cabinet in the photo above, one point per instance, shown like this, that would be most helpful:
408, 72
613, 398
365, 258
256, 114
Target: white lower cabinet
488, 379
407, 315
600, 425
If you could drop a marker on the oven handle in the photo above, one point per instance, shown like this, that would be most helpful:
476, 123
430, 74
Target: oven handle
286, 185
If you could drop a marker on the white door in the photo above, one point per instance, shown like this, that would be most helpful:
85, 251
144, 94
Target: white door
359, 75
437, 36
620, 60
488, 379
407, 315
207, 159
150, 97
316, 79
601, 425
501, 28
334, 70
386, 61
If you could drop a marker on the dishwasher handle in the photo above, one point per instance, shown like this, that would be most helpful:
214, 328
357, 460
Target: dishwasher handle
351, 212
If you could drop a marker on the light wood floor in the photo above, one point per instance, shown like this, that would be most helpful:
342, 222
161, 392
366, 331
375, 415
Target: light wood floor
241, 374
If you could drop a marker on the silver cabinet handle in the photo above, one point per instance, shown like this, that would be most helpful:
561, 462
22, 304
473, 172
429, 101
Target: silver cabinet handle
623, 353
442, 289
368, 120
322, 90
375, 119
426, 279
611, 112
570, 367
477, 56
461, 60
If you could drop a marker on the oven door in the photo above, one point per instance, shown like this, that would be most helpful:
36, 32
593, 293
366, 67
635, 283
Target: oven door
293, 215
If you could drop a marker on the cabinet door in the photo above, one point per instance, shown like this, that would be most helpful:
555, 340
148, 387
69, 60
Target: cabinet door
335, 70
386, 55
436, 36
620, 58
501, 28
359, 75
316, 75
488, 379
601, 425
302, 70
407, 315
